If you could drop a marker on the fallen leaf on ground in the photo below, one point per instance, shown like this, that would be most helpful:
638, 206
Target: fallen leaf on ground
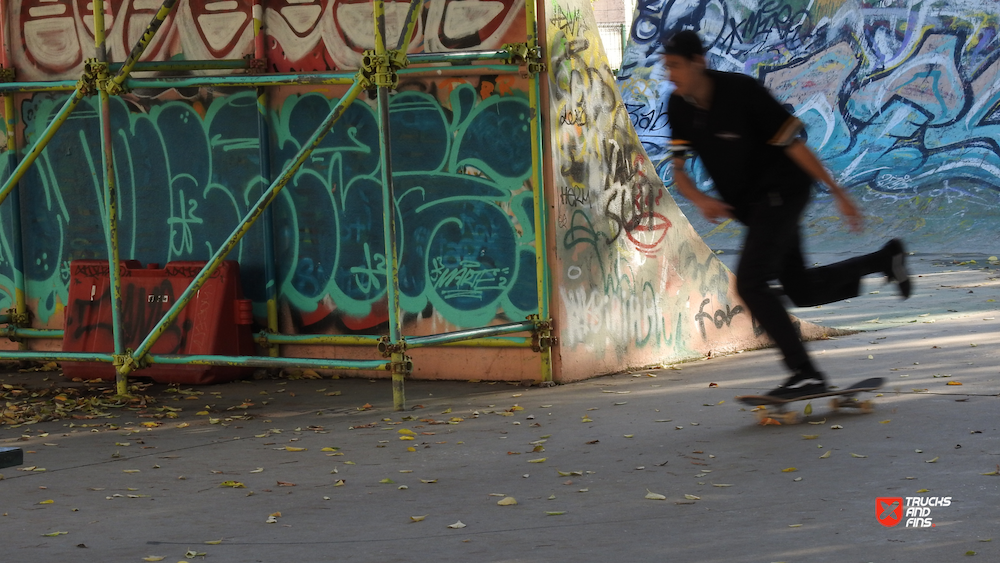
692, 497
933, 460
153, 558
789, 469
213, 542
286, 484
858, 455
233, 484
54, 534
417, 518
387, 481
555, 512
826, 455
456, 525
539, 460
654, 496
294, 449
338, 483
507, 501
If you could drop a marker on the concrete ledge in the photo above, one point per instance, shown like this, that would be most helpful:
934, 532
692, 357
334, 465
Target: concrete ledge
11, 457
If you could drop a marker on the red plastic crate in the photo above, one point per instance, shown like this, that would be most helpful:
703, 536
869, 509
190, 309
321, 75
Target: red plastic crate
215, 322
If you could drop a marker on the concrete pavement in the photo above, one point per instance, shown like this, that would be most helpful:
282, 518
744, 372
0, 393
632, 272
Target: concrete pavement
579, 459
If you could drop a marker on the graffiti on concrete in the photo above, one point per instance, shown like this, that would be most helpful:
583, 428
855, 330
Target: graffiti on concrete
302, 35
899, 97
187, 171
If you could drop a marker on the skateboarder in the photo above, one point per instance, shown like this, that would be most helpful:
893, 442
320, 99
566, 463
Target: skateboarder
763, 172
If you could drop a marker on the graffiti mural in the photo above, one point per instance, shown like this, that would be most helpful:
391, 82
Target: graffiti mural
636, 286
55, 36
899, 98
187, 172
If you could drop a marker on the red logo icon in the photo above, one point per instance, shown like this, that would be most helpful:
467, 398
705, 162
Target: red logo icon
889, 510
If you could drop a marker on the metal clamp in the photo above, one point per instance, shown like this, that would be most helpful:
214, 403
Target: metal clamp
387, 348
126, 360
379, 71
404, 367
528, 59
18, 318
90, 81
541, 337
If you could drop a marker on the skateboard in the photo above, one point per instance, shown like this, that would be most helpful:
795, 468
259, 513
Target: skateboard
842, 398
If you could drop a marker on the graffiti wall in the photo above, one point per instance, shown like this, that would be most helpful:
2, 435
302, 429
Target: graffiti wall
900, 99
187, 165
635, 284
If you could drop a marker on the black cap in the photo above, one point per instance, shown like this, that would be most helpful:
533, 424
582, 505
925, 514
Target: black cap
685, 43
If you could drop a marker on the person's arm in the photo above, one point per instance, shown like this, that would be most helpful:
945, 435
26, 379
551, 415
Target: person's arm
712, 209
810, 164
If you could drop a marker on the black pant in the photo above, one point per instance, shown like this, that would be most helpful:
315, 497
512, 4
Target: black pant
773, 250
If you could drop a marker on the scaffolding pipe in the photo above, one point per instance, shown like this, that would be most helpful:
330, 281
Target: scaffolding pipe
10, 127
430, 58
389, 207
459, 335
144, 41
541, 267
60, 356
216, 260
110, 195
266, 362
18, 333
42, 142
264, 152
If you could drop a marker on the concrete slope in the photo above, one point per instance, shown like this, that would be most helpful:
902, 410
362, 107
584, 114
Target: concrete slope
636, 284
900, 99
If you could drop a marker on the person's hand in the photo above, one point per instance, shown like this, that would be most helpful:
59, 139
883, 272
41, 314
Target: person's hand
849, 211
714, 209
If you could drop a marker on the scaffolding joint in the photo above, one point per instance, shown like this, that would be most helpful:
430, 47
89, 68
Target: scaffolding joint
379, 71
95, 73
126, 363
528, 59
541, 336
402, 366
18, 318
387, 348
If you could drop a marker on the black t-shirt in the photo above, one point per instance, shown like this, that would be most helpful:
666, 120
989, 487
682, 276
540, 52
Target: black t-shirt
741, 140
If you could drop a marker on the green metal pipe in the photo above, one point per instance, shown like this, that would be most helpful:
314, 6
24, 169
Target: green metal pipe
183, 66
110, 196
268, 362
17, 248
324, 339
326, 79
493, 342
428, 58
17, 333
244, 225
403, 43
24, 87
464, 70
459, 335
144, 41
4, 319
41, 143
59, 356
389, 213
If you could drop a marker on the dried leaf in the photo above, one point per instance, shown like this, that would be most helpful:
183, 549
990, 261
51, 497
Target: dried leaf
692, 497
406, 432
54, 534
258, 470
789, 469
721, 485
47, 502
507, 501
809, 409
428, 480
418, 518
954, 383
586, 419
924, 491
933, 460
338, 483
456, 525
153, 558
555, 512
836, 427
286, 484
826, 455
810, 436
294, 449
213, 542
539, 460
233, 484
654, 496
387, 481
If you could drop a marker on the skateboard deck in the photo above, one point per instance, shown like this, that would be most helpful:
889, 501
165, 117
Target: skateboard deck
843, 398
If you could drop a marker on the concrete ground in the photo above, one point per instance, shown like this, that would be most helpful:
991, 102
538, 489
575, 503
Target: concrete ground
328, 463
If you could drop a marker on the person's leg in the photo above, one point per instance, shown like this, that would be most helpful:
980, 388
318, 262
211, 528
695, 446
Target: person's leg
771, 248
842, 280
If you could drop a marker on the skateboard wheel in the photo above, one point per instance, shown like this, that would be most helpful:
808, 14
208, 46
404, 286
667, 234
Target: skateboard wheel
791, 417
834, 405
867, 407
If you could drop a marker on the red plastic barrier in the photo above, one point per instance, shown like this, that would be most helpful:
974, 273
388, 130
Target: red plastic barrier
216, 321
